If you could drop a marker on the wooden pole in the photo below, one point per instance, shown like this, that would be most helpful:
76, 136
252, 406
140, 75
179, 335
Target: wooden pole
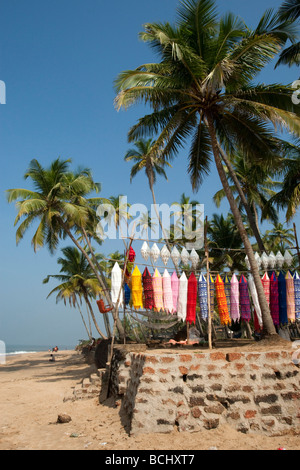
208, 284
297, 245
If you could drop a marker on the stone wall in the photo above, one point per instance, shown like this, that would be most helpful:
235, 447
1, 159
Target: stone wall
251, 391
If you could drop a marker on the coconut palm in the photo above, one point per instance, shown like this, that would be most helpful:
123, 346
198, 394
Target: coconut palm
288, 197
203, 89
290, 11
279, 238
146, 157
258, 187
225, 243
77, 281
60, 205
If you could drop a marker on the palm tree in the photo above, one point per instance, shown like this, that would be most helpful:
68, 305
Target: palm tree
279, 238
225, 243
289, 196
203, 89
290, 11
146, 156
60, 205
77, 281
258, 187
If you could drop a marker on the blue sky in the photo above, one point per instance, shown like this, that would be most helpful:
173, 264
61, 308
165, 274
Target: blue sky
59, 60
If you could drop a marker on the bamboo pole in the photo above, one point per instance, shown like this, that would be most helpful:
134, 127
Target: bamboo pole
208, 284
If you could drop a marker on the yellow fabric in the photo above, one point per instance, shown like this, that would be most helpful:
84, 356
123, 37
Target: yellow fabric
137, 289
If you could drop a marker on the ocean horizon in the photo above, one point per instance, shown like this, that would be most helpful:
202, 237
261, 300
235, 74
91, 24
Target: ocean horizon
13, 349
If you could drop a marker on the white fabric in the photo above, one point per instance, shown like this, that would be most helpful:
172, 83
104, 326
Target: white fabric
116, 283
255, 300
182, 297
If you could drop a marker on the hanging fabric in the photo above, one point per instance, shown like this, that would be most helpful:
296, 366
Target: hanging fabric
222, 302
244, 299
212, 294
116, 285
148, 290
266, 285
234, 299
290, 297
202, 295
282, 299
191, 299
157, 291
167, 293
227, 287
257, 309
175, 289
137, 289
297, 295
127, 293
274, 299
182, 297
130, 261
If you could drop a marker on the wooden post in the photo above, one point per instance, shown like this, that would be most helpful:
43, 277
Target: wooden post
208, 284
297, 245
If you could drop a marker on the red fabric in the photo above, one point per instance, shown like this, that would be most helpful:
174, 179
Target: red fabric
191, 299
148, 290
130, 261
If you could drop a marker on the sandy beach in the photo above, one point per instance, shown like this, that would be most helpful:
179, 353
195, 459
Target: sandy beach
32, 394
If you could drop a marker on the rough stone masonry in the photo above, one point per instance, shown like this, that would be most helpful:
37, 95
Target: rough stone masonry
250, 391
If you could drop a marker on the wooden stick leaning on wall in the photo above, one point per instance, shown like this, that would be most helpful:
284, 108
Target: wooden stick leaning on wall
208, 285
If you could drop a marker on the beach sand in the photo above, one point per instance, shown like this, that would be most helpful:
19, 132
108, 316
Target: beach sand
32, 392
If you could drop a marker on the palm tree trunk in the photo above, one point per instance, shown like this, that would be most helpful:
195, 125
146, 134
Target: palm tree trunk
267, 319
89, 333
105, 315
252, 222
102, 284
93, 316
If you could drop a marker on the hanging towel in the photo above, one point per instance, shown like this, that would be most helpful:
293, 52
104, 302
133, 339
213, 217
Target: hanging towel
290, 297
191, 299
222, 302
148, 290
137, 289
227, 287
175, 290
158, 291
297, 295
244, 299
254, 296
234, 299
202, 295
182, 297
282, 299
116, 285
167, 292
274, 299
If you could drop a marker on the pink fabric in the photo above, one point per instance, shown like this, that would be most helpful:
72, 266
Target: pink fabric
234, 298
167, 292
158, 291
290, 297
175, 289
266, 285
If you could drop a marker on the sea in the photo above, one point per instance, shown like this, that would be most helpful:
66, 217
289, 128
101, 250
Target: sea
13, 349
